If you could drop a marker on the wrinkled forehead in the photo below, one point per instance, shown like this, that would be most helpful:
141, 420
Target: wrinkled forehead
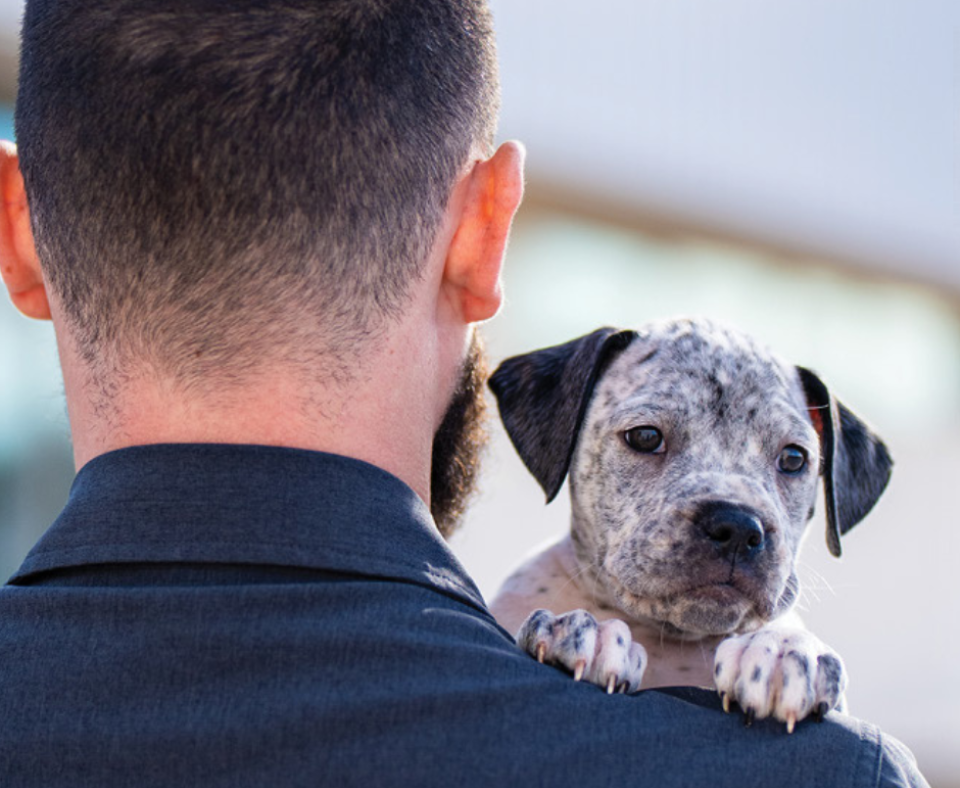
697, 369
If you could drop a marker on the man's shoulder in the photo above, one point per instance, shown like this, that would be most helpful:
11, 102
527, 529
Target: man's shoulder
356, 680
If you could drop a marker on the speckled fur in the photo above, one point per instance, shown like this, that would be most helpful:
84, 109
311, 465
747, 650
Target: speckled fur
639, 549
726, 408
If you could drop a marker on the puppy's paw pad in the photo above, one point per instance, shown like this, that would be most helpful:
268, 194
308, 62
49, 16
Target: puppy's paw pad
787, 674
601, 653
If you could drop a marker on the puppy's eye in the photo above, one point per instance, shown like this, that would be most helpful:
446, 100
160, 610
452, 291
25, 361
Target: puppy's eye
792, 460
646, 440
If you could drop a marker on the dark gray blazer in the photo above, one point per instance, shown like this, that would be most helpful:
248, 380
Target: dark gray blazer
231, 616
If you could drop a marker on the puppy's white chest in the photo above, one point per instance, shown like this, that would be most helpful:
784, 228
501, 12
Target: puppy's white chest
552, 579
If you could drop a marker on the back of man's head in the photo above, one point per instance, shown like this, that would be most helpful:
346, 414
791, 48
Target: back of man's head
212, 182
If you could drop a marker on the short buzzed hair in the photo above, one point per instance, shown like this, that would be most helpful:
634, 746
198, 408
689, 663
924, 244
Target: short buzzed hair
210, 180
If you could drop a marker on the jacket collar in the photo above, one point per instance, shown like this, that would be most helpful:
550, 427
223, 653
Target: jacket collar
213, 503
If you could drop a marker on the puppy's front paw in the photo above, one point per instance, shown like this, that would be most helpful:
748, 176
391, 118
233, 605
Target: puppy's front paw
600, 653
784, 673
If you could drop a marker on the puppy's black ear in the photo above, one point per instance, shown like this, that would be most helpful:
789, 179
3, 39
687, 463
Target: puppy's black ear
856, 464
543, 398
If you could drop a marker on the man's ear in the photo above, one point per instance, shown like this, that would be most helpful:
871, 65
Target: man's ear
474, 258
19, 264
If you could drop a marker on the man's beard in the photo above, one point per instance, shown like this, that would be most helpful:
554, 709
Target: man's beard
459, 443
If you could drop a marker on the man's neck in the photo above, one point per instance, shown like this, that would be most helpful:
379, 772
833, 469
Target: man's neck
385, 416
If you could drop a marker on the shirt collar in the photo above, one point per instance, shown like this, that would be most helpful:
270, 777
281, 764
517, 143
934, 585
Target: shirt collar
248, 504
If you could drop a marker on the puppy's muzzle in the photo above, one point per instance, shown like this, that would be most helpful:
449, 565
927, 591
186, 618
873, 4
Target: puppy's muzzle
736, 532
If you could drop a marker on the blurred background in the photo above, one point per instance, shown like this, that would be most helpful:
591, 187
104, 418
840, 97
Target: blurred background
791, 168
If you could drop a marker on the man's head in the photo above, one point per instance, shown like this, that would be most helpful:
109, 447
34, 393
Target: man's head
263, 221
213, 184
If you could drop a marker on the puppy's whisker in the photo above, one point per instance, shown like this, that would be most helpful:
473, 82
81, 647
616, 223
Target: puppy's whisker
572, 579
801, 603
813, 583
706, 654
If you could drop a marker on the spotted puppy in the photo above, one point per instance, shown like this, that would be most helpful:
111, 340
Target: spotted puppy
694, 456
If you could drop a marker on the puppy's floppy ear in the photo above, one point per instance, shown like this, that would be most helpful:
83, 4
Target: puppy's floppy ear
543, 398
856, 464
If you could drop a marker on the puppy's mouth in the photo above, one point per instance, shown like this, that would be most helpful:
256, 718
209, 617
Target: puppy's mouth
725, 594
723, 607
718, 609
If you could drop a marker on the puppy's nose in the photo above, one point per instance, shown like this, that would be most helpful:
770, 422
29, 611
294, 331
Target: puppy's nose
734, 530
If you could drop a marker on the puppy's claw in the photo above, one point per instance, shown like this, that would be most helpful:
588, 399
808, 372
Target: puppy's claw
541, 651
804, 676
611, 683
578, 669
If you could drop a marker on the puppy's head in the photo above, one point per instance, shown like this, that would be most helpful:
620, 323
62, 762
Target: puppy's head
693, 456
